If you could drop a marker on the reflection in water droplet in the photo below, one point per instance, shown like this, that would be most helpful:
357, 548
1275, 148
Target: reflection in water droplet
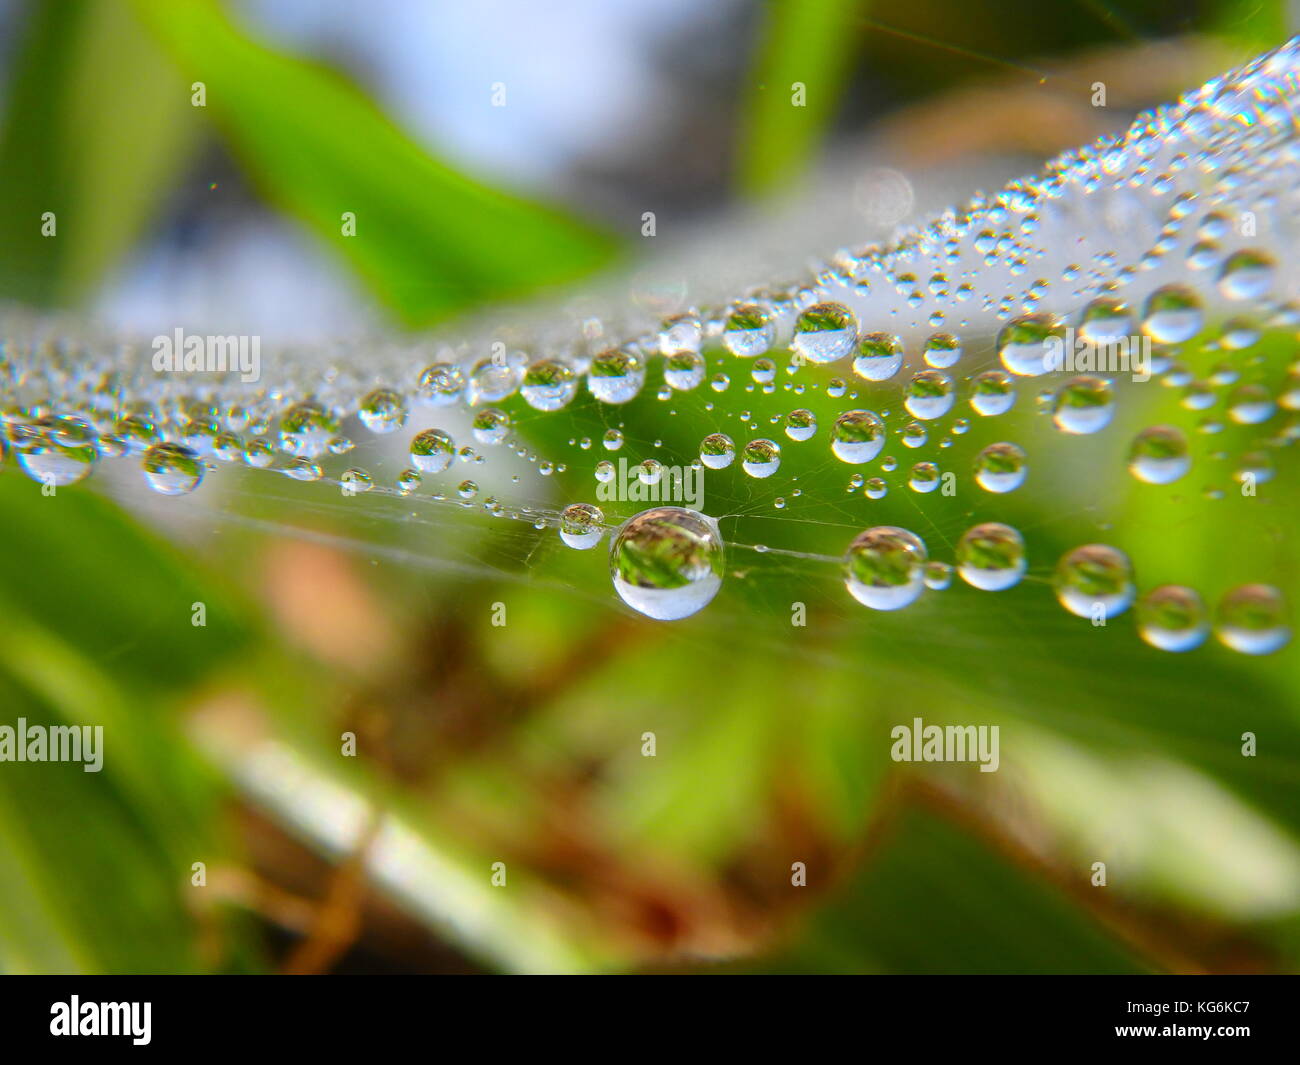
581, 525
1083, 405
749, 331
880, 355
1172, 618
1159, 455
717, 451
172, 469
1094, 581
616, 375
824, 333
761, 458
1028, 344
1001, 467
857, 436
1252, 619
1172, 315
991, 557
884, 567
667, 562
432, 451
382, 411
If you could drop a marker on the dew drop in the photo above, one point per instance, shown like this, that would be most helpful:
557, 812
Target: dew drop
1252, 619
1094, 580
667, 562
884, 567
991, 557
172, 469
1172, 618
1159, 455
857, 436
581, 525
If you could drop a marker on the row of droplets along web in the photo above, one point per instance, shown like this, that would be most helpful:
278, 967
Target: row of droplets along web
1182, 230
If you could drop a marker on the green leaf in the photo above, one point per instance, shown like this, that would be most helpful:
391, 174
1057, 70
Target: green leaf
95, 133
935, 900
429, 240
807, 43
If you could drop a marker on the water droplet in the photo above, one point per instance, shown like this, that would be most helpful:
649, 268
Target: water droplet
857, 436
1172, 618
667, 562
880, 355
1001, 467
942, 350
717, 451
992, 393
549, 385
1246, 275
681, 335
1252, 619
991, 557
1094, 580
306, 430
1028, 345
929, 395
581, 525
172, 469
356, 480
749, 331
490, 426
884, 567
825, 332
432, 451
1083, 405
382, 411
440, 384
1172, 315
616, 375
1106, 320
684, 370
761, 458
1159, 455
800, 425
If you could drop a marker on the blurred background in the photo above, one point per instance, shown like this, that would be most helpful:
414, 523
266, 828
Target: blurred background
500, 151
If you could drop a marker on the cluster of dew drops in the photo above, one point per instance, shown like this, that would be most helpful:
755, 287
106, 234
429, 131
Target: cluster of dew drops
1161, 274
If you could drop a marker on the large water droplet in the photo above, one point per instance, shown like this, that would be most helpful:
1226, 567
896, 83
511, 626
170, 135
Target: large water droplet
1084, 405
1159, 455
884, 567
1001, 467
991, 557
1172, 618
1028, 345
616, 375
1252, 619
667, 562
825, 332
1094, 581
172, 469
857, 436
880, 355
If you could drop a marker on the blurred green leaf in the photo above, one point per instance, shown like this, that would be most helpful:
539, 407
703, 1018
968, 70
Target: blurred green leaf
933, 899
807, 43
95, 132
429, 240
